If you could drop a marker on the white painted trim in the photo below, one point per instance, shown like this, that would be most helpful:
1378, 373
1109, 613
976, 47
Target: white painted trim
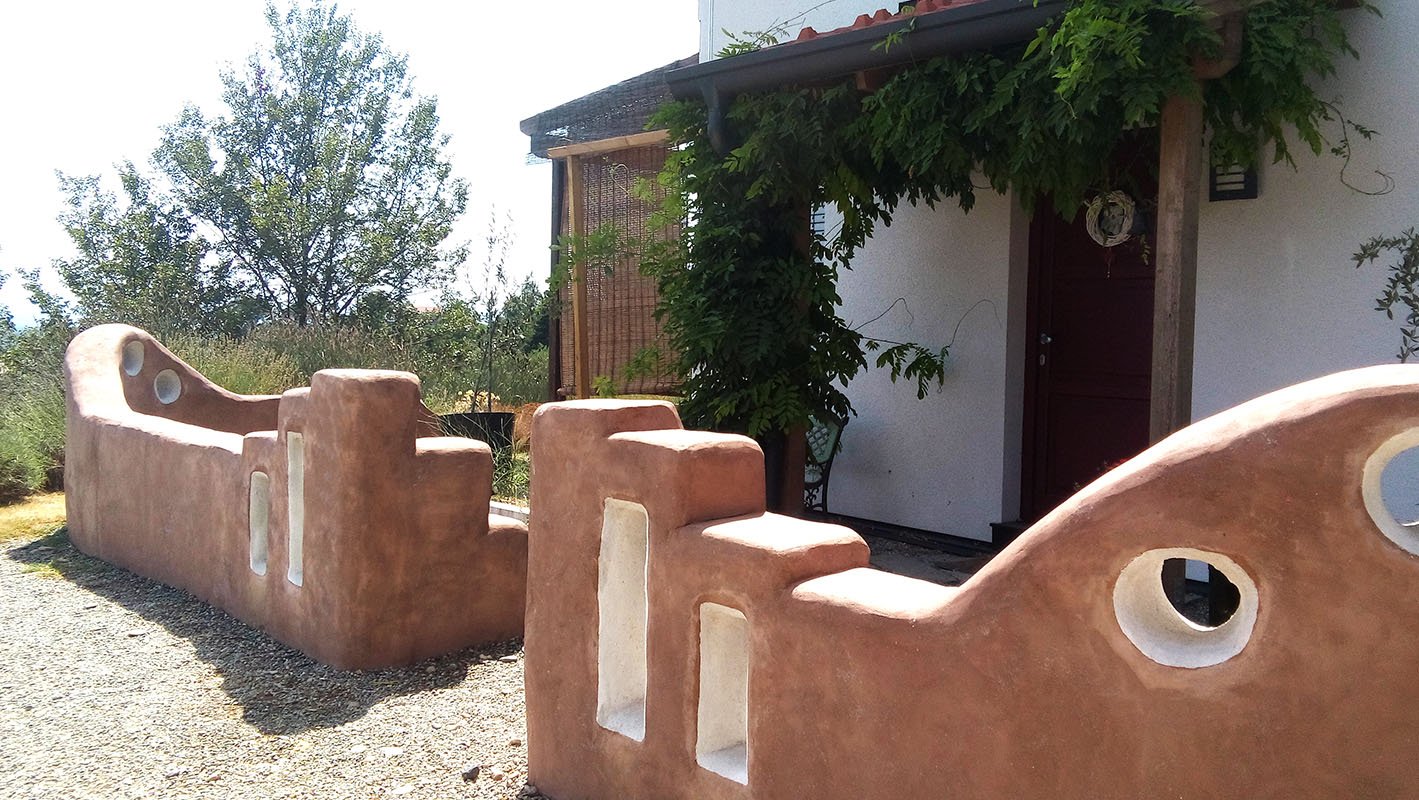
1406, 536
623, 610
167, 386
295, 508
722, 722
133, 357
258, 517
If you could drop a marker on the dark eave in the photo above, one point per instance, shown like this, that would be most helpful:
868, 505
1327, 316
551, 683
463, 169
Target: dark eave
618, 110
968, 28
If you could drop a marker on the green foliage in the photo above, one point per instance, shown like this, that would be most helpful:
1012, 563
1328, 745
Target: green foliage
1288, 44
1401, 289
32, 409
269, 360
512, 476
144, 263
243, 366
754, 320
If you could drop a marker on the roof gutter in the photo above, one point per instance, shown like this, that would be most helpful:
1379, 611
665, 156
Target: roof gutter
969, 28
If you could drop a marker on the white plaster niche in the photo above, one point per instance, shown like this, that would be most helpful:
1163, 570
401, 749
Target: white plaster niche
259, 520
1149, 619
1391, 489
722, 729
133, 358
295, 507
167, 386
622, 610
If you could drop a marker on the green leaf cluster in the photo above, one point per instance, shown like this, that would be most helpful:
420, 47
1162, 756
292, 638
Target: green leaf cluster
1401, 289
749, 298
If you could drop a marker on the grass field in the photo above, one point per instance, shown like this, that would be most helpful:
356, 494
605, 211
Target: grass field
37, 516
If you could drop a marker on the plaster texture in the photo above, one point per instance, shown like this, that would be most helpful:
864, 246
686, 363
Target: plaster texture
384, 554
1053, 672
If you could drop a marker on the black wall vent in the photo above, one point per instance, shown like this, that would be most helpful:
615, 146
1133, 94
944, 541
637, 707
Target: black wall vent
1232, 183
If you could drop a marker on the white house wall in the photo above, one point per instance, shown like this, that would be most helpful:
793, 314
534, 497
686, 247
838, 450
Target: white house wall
1278, 299
936, 463
721, 18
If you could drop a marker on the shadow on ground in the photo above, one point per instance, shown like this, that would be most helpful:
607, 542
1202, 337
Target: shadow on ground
280, 690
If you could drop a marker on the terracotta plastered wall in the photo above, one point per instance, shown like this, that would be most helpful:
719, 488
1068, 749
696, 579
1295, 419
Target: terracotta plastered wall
683, 644
321, 516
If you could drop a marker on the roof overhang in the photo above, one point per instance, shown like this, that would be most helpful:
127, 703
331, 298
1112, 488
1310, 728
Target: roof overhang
952, 31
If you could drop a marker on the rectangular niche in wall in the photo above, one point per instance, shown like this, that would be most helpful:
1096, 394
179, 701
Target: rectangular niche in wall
259, 520
295, 507
722, 741
623, 608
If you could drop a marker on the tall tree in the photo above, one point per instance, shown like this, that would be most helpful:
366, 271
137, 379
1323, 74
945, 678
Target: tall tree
326, 179
143, 262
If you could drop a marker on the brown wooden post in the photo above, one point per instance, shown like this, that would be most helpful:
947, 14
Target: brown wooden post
1175, 289
795, 450
581, 356
1181, 164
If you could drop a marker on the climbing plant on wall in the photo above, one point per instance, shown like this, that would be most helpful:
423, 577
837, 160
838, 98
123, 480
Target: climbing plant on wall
749, 296
1401, 289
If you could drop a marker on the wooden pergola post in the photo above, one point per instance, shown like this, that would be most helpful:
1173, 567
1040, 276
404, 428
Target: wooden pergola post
1181, 159
1181, 163
581, 356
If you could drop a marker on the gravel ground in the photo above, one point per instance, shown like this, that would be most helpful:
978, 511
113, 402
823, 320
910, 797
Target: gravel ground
923, 563
113, 686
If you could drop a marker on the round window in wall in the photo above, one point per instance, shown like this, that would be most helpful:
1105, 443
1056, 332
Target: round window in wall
133, 357
1391, 489
167, 386
1162, 631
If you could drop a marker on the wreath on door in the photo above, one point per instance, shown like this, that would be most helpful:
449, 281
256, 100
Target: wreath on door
1111, 218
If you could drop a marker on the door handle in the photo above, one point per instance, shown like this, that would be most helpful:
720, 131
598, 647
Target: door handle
1045, 338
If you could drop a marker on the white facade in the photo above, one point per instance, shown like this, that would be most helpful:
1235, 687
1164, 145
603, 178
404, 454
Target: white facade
1278, 299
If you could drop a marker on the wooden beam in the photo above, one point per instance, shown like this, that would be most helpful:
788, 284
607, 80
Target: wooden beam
613, 144
581, 356
1181, 165
1232, 31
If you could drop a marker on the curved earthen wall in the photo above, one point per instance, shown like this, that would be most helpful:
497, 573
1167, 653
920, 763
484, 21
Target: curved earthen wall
321, 516
683, 644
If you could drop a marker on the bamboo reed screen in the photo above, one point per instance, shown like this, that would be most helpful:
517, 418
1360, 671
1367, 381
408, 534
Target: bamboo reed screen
620, 313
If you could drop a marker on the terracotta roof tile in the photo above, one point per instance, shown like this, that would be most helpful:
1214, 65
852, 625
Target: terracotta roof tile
883, 15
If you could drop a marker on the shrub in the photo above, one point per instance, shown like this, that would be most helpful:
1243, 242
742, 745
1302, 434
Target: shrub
240, 366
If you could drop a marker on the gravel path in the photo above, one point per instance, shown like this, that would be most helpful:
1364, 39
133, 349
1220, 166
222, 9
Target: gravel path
113, 686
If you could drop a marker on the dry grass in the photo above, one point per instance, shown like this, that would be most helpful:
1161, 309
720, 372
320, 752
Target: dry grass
35, 517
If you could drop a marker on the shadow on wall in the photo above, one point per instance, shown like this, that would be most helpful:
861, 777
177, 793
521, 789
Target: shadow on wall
304, 695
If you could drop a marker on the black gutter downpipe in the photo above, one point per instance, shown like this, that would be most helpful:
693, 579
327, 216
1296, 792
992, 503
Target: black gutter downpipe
554, 325
980, 26
718, 127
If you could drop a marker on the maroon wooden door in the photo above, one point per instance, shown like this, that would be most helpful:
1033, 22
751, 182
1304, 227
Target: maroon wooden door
1090, 345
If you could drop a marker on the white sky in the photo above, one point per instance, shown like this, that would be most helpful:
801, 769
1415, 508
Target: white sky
86, 84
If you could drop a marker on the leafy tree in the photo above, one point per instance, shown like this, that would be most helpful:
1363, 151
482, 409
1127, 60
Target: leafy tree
325, 181
145, 264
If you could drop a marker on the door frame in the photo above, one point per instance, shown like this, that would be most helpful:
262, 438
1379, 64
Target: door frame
1041, 247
